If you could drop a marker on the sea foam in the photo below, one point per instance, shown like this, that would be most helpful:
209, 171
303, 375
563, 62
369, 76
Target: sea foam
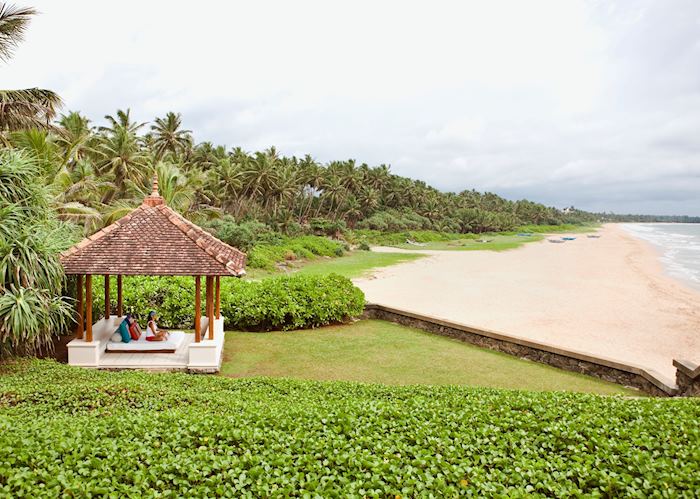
679, 245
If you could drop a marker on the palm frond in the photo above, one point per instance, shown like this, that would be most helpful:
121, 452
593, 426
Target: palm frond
28, 108
13, 24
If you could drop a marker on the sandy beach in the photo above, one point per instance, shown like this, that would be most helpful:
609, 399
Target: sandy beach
608, 297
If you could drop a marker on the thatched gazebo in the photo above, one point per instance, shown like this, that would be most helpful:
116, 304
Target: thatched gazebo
152, 240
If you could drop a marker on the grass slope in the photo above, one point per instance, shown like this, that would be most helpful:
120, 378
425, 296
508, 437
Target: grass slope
497, 242
383, 352
354, 264
75, 432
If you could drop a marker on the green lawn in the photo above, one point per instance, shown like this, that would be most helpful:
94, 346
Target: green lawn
495, 242
354, 264
383, 352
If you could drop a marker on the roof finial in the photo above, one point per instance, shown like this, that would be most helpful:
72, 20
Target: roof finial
155, 198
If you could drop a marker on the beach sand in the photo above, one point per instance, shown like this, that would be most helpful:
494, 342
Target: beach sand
607, 297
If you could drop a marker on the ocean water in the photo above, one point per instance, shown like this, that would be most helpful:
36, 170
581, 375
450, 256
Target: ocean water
679, 245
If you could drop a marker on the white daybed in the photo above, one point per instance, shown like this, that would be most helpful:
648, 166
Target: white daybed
142, 346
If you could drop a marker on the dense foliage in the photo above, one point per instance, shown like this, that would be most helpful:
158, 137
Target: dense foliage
75, 432
292, 302
32, 311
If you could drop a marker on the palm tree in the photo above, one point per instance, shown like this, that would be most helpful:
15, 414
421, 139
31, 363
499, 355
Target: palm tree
311, 179
120, 152
74, 137
369, 198
334, 192
284, 189
260, 175
228, 183
173, 185
168, 137
30, 107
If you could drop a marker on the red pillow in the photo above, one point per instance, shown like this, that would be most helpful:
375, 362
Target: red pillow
134, 331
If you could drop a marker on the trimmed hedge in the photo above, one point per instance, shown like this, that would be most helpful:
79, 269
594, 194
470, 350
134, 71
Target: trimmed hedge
288, 302
71, 432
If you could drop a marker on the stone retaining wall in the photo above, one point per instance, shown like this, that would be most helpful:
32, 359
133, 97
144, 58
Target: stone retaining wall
644, 379
687, 378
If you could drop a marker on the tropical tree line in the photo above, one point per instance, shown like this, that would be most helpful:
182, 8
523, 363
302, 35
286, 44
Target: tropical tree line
97, 174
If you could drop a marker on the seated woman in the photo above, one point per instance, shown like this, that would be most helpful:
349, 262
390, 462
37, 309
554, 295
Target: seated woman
152, 331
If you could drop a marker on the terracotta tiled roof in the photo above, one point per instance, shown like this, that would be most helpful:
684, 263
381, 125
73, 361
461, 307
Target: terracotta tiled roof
153, 240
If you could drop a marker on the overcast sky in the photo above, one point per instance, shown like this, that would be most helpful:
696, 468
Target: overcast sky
590, 103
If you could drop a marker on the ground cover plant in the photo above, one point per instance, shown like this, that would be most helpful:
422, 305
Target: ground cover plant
75, 432
284, 302
377, 351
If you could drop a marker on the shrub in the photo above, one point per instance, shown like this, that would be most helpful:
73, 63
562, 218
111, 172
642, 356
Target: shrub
72, 432
244, 235
325, 227
289, 302
265, 256
394, 221
31, 275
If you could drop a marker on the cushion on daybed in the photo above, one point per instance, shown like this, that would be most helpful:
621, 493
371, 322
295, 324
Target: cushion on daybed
116, 337
134, 331
124, 331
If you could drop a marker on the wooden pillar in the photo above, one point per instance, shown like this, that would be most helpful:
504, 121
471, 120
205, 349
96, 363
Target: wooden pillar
107, 304
218, 297
88, 308
197, 309
210, 305
79, 307
120, 300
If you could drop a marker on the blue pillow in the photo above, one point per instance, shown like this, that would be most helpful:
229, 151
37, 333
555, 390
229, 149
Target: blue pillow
124, 331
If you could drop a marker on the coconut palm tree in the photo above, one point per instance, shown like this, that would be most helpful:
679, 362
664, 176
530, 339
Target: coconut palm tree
29, 107
173, 185
120, 152
260, 174
228, 183
74, 137
168, 137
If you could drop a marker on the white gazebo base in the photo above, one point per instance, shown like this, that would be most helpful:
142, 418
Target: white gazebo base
202, 357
